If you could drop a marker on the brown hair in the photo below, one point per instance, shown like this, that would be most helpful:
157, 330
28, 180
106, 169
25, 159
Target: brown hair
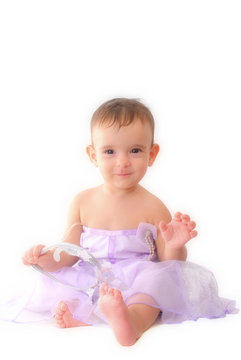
122, 112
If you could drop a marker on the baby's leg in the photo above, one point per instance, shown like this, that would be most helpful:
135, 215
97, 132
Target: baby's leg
65, 319
128, 323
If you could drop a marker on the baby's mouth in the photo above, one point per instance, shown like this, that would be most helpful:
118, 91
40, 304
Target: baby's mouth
123, 175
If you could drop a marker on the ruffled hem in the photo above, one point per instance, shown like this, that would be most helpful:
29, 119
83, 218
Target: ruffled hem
181, 290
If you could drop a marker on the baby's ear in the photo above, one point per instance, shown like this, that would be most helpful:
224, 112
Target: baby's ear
153, 153
92, 154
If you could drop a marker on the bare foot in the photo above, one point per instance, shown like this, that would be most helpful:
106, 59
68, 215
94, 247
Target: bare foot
115, 310
64, 318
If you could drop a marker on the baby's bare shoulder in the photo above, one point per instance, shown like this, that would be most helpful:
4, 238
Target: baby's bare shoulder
84, 196
78, 203
159, 210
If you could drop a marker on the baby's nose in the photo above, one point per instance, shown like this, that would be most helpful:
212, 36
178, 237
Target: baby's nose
123, 161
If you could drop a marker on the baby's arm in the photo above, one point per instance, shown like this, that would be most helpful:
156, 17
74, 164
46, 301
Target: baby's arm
175, 235
72, 235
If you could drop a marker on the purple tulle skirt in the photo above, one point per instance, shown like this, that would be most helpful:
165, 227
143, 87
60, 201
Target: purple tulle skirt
181, 290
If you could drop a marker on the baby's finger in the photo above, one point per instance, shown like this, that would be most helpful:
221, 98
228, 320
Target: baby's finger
29, 260
193, 233
178, 216
37, 250
163, 226
185, 219
191, 225
29, 254
25, 261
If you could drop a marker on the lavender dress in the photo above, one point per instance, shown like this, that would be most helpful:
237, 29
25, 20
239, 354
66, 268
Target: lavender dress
181, 290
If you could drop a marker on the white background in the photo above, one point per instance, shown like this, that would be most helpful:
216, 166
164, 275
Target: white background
59, 61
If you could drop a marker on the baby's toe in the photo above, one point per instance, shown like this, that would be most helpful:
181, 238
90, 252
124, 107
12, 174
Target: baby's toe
61, 323
103, 289
117, 294
58, 316
62, 306
111, 291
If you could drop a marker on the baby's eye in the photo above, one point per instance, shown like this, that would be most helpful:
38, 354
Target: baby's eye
136, 150
109, 152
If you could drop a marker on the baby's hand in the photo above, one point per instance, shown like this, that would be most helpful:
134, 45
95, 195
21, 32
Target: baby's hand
178, 231
33, 256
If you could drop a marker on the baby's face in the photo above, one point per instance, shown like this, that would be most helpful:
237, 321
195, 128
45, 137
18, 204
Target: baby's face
123, 155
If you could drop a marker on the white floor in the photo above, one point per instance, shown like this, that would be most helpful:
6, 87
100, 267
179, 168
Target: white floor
205, 339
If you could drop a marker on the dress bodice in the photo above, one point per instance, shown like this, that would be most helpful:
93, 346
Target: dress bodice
120, 244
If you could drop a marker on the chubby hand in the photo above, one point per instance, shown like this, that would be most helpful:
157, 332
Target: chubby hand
178, 231
33, 256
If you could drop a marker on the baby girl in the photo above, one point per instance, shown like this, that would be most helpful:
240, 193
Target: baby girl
131, 232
